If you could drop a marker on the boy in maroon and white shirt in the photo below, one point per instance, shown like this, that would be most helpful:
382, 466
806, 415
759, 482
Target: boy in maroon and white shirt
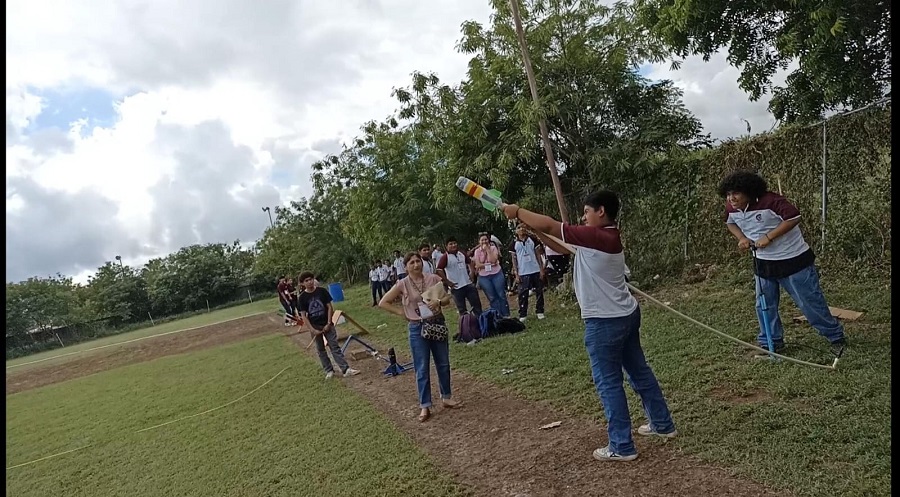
612, 320
770, 224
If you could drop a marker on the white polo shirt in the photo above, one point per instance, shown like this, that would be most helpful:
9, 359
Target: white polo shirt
598, 273
457, 268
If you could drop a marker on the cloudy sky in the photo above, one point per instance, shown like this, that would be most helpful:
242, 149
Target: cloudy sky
135, 127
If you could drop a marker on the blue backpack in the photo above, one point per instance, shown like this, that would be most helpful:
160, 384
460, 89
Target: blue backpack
487, 322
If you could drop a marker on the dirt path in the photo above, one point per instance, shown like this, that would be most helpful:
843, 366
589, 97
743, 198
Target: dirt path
144, 350
493, 445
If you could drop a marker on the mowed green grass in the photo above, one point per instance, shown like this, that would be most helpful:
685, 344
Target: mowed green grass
814, 432
297, 436
220, 315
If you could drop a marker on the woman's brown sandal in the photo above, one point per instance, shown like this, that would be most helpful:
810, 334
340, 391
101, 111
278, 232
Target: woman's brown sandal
424, 415
451, 404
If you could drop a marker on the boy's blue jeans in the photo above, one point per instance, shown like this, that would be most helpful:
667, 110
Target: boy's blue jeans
422, 351
803, 287
613, 344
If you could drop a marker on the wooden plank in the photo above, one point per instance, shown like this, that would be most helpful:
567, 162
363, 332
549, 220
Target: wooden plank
844, 314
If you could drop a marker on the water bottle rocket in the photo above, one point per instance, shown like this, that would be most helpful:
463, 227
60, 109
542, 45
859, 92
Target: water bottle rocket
490, 199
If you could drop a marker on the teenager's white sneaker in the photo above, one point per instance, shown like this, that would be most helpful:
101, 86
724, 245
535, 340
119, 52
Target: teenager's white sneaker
541, 315
647, 431
522, 319
329, 375
350, 372
604, 454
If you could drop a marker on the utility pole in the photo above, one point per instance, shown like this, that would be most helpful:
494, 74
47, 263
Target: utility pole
121, 266
269, 212
542, 123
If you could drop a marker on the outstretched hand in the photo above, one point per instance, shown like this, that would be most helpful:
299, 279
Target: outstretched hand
511, 211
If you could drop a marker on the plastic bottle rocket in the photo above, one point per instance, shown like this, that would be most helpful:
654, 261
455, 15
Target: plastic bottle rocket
490, 199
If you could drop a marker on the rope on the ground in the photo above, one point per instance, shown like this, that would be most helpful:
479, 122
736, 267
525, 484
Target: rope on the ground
153, 427
638, 291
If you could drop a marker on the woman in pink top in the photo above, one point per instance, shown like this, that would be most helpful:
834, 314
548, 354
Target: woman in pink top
490, 275
416, 312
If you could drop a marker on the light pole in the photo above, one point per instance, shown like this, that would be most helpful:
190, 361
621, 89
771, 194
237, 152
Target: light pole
121, 266
269, 212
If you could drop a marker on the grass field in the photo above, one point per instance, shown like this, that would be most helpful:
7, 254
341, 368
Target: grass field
811, 431
297, 436
181, 324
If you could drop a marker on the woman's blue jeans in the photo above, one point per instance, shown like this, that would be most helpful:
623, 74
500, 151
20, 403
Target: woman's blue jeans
494, 287
422, 352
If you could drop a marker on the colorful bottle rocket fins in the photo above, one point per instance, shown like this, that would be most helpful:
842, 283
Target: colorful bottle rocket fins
490, 199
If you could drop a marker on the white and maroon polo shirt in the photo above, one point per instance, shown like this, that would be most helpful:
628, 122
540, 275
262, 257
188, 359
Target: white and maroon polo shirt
762, 216
599, 271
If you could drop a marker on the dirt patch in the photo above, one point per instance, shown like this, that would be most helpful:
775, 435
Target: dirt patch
144, 350
731, 396
494, 447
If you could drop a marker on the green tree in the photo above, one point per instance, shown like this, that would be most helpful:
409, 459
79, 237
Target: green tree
843, 47
119, 293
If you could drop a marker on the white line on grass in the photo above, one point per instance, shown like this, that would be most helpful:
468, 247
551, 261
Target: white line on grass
134, 340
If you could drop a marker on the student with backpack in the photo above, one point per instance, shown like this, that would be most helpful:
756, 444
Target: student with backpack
612, 320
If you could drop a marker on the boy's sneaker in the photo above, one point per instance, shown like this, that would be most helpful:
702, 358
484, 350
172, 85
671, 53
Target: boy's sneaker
522, 319
350, 372
329, 375
541, 315
605, 454
837, 348
647, 431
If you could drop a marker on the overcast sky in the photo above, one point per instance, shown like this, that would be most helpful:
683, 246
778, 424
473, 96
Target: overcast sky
134, 128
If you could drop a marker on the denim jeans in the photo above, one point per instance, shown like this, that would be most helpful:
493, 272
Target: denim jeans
467, 293
613, 344
527, 283
331, 336
422, 351
494, 287
378, 289
803, 287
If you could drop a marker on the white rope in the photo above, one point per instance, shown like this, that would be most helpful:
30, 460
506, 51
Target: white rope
638, 291
156, 426
133, 340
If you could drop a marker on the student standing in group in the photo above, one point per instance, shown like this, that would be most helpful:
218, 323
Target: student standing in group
427, 263
528, 269
457, 268
288, 300
399, 266
418, 313
490, 274
384, 276
612, 320
316, 309
375, 282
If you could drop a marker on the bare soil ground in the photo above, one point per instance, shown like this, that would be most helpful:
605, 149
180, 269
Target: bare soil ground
91, 362
492, 446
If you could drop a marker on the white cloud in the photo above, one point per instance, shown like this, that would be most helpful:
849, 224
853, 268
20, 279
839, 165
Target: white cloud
222, 106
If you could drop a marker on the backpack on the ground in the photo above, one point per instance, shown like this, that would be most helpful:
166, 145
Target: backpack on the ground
509, 325
487, 322
468, 328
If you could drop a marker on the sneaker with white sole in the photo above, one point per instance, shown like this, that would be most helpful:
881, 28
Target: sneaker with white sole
647, 431
329, 375
350, 372
522, 319
541, 315
605, 454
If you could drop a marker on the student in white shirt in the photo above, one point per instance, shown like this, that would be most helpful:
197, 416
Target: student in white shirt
528, 269
385, 276
612, 320
457, 268
427, 263
399, 266
375, 282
